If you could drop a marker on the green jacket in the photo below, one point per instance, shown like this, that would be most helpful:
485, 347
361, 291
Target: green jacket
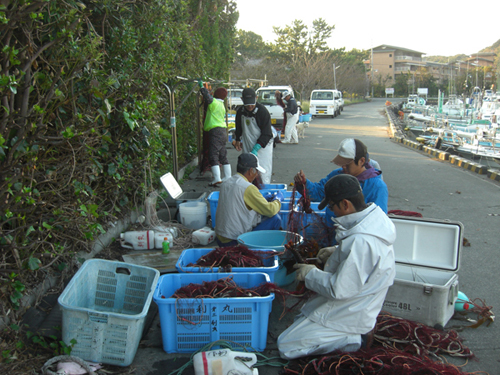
216, 115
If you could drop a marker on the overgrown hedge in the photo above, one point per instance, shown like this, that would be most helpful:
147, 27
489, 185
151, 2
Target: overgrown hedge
84, 116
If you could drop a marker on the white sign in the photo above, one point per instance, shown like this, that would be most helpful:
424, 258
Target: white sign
421, 91
389, 90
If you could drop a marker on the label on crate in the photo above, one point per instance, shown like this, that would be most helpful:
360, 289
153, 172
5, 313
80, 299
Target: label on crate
400, 306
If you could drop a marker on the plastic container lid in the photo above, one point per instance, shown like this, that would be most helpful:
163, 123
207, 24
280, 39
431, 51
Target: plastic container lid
429, 243
172, 186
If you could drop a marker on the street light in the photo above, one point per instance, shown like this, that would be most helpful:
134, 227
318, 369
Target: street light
335, 76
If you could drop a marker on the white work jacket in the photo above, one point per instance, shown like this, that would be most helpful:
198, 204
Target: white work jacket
352, 288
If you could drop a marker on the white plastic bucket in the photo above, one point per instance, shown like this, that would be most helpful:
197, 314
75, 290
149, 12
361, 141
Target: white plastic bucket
193, 214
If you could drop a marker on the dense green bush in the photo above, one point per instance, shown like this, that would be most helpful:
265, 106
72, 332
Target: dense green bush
84, 117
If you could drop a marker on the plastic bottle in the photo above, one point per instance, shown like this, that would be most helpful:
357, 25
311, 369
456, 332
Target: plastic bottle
224, 361
462, 303
138, 240
166, 246
160, 237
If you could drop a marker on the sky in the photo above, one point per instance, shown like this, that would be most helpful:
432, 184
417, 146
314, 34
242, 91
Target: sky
436, 27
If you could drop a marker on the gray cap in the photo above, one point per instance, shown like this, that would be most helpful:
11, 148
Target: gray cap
249, 160
340, 187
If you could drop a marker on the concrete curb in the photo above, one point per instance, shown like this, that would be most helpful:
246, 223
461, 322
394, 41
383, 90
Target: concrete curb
446, 156
467, 164
442, 155
493, 175
413, 144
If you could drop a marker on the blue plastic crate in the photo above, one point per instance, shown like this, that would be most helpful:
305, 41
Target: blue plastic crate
281, 187
188, 324
213, 201
104, 308
189, 256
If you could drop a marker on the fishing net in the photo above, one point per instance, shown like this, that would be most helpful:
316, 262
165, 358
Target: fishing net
401, 347
302, 219
380, 361
226, 288
233, 256
405, 213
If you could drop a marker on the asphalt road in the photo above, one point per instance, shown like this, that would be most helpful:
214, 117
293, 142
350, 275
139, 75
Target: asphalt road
417, 182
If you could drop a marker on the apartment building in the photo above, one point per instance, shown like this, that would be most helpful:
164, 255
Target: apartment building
389, 61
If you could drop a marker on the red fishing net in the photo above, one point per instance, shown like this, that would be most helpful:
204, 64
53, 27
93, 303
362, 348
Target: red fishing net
227, 288
401, 347
405, 213
233, 256
302, 219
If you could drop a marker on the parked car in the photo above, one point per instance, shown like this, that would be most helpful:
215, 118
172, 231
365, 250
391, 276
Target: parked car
265, 96
234, 98
340, 100
324, 103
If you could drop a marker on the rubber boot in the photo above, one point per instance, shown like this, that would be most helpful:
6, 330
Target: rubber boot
227, 172
216, 174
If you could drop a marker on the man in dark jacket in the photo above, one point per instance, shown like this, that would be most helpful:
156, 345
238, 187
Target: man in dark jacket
291, 111
254, 133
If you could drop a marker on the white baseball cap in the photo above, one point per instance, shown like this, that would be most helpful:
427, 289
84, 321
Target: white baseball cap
349, 148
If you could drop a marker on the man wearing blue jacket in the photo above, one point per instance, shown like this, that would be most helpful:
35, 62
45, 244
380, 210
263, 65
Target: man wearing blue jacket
352, 159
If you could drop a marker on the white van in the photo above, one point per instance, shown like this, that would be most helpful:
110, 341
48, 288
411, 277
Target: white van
234, 98
324, 103
265, 95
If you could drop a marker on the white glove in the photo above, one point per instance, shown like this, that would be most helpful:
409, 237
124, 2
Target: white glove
303, 270
325, 253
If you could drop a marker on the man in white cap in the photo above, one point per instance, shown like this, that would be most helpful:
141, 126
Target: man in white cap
352, 159
253, 132
241, 207
351, 288
291, 113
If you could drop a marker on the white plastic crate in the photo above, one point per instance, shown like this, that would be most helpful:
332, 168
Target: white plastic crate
427, 255
104, 308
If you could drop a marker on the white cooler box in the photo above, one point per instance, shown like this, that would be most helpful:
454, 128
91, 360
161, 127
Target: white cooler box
427, 258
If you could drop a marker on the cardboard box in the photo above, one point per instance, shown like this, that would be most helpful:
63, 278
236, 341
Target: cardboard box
427, 258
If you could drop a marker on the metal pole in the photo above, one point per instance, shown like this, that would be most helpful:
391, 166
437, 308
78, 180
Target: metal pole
173, 130
334, 77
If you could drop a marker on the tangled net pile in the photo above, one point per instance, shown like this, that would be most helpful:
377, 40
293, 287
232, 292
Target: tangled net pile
225, 288
233, 256
407, 348
305, 221
380, 361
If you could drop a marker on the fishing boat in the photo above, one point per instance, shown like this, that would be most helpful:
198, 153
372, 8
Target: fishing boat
413, 101
453, 107
488, 156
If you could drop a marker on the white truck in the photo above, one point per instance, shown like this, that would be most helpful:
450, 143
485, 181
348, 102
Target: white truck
326, 102
234, 98
265, 96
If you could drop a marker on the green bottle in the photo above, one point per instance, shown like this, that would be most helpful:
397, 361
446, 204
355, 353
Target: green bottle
166, 245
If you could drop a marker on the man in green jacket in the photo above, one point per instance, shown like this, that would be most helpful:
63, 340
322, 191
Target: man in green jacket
215, 125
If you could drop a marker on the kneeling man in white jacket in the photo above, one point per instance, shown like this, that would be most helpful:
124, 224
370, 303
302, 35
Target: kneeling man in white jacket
351, 289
